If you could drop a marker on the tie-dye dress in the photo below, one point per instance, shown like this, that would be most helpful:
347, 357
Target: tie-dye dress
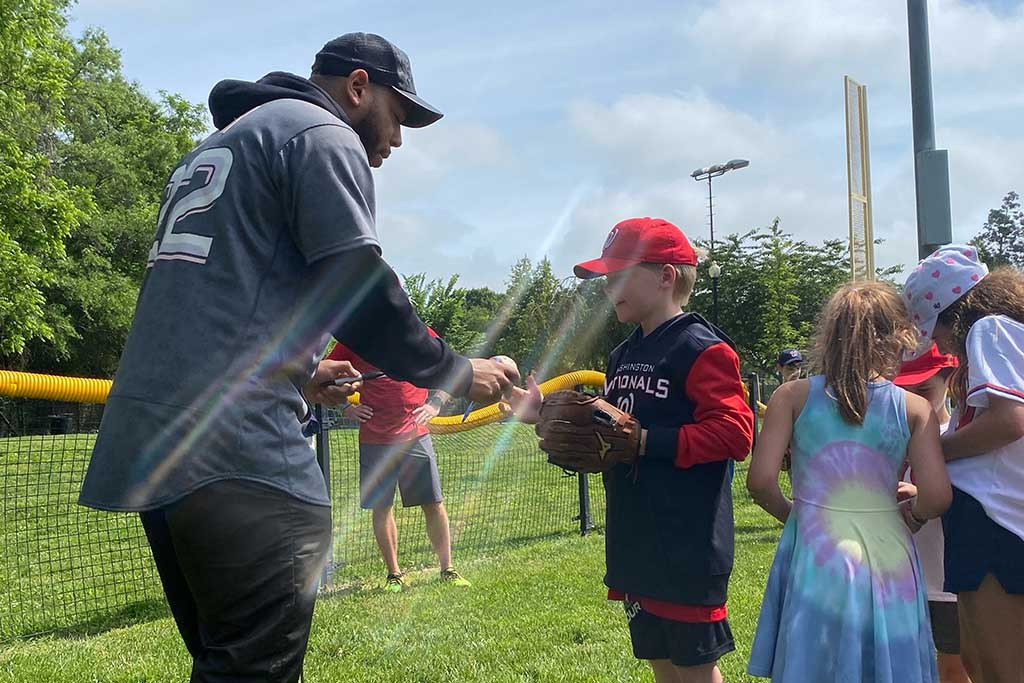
845, 599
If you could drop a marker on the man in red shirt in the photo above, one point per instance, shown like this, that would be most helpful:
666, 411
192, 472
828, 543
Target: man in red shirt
395, 449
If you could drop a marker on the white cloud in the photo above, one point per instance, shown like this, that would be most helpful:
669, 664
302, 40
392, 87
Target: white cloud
649, 133
790, 39
984, 166
653, 142
433, 243
429, 155
970, 39
797, 42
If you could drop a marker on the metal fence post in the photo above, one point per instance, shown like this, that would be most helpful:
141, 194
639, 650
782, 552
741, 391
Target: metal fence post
583, 486
754, 384
586, 523
323, 458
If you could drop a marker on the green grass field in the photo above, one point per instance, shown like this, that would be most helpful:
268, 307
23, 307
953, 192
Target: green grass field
536, 611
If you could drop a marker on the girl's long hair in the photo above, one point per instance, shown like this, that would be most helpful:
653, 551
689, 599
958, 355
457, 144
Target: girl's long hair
999, 293
862, 333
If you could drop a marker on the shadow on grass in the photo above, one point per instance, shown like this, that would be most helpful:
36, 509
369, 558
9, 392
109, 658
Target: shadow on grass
767, 539
359, 577
128, 615
758, 528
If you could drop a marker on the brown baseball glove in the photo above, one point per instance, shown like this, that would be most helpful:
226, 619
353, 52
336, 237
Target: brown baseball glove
583, 433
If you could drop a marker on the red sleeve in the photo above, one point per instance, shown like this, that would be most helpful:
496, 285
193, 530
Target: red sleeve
723, 425
341, 352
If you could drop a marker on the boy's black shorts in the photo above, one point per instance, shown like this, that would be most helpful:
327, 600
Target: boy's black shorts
684, 643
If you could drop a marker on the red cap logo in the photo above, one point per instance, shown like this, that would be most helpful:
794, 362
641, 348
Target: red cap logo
639, 240
608, 240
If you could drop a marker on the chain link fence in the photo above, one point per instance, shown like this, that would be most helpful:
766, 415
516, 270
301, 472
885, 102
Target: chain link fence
68, 568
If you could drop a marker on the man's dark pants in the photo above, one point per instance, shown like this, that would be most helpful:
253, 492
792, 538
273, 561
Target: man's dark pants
240, 565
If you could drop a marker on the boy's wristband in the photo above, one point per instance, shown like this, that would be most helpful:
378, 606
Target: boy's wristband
661, 443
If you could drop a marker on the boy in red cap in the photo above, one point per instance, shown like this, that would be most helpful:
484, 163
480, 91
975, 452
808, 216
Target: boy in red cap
669, 539
928, 376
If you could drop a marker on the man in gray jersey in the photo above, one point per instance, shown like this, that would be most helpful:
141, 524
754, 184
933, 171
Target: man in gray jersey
265, 245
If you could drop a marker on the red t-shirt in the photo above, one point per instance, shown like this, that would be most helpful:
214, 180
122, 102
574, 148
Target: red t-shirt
392, 402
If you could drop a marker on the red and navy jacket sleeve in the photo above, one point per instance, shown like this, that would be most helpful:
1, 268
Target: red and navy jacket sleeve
723, 424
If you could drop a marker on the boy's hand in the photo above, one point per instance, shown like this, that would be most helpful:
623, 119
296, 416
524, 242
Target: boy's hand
584, 433
523, 404
491, 379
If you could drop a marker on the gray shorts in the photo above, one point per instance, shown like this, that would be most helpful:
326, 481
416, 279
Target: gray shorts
409, 465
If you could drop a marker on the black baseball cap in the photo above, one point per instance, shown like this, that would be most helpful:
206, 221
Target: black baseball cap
789, 357
386, 65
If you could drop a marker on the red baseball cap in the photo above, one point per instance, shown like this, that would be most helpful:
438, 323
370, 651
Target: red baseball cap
639, 240
924, 366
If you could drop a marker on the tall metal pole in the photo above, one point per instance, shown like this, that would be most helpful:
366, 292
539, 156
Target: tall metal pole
931, 166
920, 75
711, 218
714, 278
323, 458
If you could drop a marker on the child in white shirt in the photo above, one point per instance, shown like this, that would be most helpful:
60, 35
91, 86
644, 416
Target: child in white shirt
979, 317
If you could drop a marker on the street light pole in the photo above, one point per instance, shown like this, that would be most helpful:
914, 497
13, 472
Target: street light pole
714, 270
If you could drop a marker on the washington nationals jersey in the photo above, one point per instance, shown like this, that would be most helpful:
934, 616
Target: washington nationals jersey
669, 520
209, 383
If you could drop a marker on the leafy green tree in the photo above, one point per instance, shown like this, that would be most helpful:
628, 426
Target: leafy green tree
85, 155
442, 306
740, 296
771, 289
37, 209
482, 307
121, 144
1001, 240
526, 320
777, 256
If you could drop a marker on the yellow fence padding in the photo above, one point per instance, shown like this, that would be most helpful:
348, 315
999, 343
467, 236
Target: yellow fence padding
53, 388
491, 413
86, 390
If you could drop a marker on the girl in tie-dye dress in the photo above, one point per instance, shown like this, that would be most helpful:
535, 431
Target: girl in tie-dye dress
846, 601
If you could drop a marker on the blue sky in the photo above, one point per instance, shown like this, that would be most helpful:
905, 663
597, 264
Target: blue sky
564, 117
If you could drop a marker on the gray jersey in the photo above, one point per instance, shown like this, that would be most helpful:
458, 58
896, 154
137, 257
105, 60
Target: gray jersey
208, 386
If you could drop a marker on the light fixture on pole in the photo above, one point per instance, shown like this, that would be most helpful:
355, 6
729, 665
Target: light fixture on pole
714, 270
